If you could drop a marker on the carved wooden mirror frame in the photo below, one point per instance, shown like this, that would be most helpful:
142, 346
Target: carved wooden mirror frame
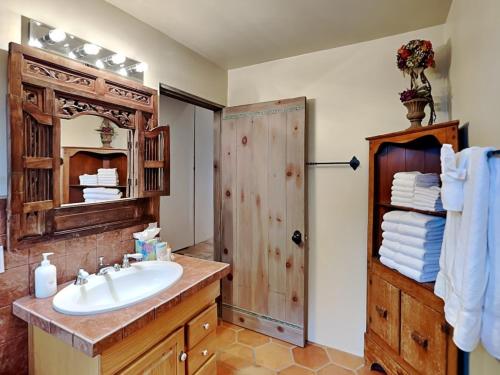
45, 88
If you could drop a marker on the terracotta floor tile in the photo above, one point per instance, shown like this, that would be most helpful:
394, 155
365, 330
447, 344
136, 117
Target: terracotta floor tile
296, 370
365, 370
283, 343
232, 326
344, 359
223, 369
335, 370
311, 356
225, 337
236, 356
273, 356
256, 370
252, 338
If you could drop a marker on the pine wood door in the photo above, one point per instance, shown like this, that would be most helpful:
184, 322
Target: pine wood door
263, 226
164, 358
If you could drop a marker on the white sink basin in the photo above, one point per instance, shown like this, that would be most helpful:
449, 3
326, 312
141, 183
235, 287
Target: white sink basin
117, 289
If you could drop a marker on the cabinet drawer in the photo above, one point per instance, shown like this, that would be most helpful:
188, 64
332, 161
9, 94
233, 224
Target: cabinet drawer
423, 337
384, 311
198, 355
209, 368
201, 326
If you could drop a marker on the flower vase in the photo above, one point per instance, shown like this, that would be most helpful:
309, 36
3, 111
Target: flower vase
416, 111
106, 139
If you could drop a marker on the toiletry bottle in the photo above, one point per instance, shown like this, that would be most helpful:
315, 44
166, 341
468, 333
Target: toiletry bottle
45, 278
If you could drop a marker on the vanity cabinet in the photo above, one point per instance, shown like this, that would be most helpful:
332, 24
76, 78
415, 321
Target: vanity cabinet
179, 341
406, 332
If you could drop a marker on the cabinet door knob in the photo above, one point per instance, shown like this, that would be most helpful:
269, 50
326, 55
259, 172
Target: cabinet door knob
419, 339
381, 311
183, 356
206, 326
204, 353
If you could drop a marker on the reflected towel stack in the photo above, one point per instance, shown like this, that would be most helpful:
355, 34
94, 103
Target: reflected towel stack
412, 244
93, 195
88, 179
107, 176
416, 190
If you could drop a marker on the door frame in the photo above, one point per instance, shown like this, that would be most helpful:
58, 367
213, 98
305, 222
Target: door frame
184, 96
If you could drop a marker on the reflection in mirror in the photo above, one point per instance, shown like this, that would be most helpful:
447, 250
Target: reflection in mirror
96, 161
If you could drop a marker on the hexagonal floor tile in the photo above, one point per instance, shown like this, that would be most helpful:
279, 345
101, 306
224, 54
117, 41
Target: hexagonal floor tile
335, 370
231, 325
223, 369
283, 343
296, 370
344, 359
224, 337
252, 338
311, 356
273, 356
236, 356
256, 370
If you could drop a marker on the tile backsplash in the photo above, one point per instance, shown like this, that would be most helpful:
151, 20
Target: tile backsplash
17, 280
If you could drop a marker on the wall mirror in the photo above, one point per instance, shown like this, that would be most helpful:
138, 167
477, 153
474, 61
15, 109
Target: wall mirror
97, 162
86, 152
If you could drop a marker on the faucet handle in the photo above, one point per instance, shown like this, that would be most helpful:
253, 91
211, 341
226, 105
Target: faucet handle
101, 261
126, 257
81, 277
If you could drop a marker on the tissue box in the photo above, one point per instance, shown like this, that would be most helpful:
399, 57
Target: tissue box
146, 248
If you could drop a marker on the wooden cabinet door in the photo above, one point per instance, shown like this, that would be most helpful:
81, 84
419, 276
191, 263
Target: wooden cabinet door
423, 337
384, 312
263, 233
164, 358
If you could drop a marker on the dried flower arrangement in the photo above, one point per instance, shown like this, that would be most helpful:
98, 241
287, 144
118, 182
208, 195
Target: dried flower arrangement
412, 59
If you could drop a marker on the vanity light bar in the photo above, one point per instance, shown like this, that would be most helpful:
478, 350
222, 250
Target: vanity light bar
58, 41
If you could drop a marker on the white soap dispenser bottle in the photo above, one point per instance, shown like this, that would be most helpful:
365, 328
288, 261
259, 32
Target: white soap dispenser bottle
45, 278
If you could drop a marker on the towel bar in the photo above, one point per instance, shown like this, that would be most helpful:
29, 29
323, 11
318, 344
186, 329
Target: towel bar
353, 163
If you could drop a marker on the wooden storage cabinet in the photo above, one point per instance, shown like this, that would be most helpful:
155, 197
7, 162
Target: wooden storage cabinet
423, 337
163, 358
384, 311
406, 331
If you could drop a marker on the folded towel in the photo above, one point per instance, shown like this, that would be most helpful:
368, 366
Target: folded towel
416, 175
106, 170
101, 190
403, 189
413, 241
421, 277
415, 252
431, 192
425, 266
410, 230
388, 262
413, 184
401, 194
387, 253
414, 218
102, 196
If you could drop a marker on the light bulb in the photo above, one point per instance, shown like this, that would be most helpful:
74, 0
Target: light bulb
141, 67
99, 64
35, 43
91, 49
123, 72
57, 35
118, 58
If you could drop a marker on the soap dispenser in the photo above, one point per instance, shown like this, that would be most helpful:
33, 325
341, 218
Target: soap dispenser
45, 278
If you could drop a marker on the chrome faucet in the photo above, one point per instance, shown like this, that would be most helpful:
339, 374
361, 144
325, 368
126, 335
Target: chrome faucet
104, 269
81, 277
127, 257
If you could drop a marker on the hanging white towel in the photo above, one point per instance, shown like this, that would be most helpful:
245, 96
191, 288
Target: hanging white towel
490, 331
463, 276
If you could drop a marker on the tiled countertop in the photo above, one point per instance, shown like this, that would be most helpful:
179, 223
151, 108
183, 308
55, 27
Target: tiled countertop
92, 334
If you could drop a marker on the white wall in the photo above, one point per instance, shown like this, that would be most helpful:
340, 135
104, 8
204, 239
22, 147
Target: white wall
352, 93
204, 175
177, 210
97, 21
81, 132
472, 31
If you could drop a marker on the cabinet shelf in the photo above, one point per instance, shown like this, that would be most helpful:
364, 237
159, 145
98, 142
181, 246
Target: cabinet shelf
411, 209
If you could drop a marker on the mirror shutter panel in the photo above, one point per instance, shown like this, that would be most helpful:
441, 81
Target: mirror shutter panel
154, 159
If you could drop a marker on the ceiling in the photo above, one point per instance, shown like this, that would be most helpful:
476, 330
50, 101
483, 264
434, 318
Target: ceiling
235, 33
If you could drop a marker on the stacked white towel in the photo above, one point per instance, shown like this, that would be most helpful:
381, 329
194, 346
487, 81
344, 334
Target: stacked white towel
88, 179
107, 176
412, 244
100, 194
416, 190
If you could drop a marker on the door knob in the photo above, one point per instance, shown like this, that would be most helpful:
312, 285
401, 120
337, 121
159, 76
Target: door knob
297, 237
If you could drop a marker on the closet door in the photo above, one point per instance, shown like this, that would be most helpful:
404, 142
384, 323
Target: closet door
263, 228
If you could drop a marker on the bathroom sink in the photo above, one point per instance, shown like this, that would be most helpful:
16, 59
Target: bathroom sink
117, 289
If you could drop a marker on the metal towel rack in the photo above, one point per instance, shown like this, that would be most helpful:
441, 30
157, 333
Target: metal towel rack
354, 163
